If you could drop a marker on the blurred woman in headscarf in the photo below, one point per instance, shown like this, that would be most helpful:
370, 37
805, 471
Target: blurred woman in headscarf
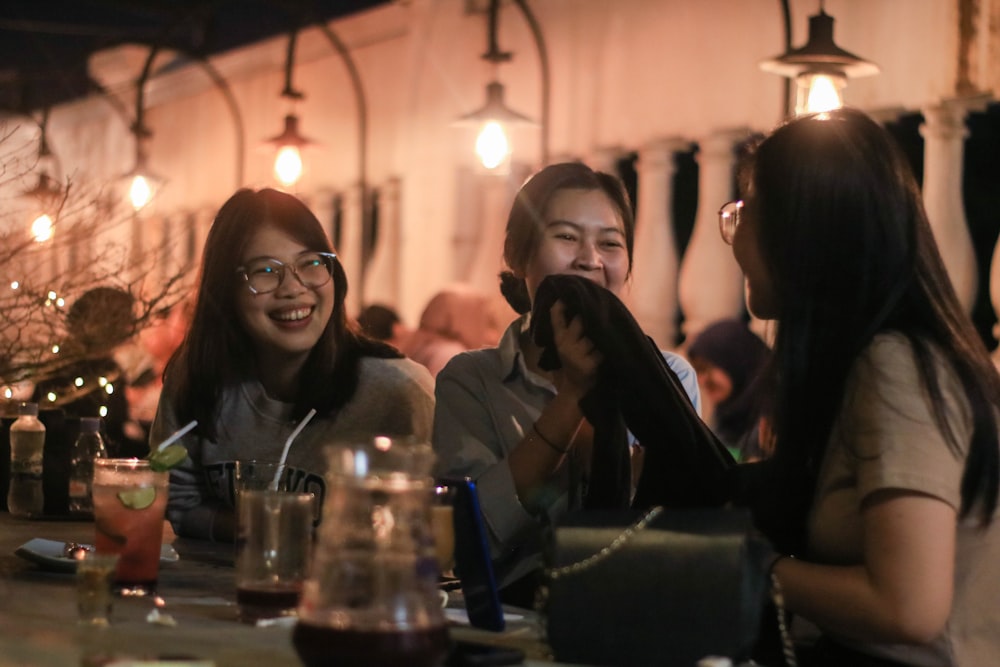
456, 319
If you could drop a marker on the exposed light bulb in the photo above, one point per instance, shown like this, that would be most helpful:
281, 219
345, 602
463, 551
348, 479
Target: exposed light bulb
818, 93
140, 192
492, 146
41, 228
288, 165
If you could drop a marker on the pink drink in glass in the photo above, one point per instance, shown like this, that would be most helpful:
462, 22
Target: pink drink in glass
130, 500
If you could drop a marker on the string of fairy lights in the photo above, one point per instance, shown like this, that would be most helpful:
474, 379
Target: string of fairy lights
99, 386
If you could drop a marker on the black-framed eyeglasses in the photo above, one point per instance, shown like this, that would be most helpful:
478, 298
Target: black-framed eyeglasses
313, 269
729, 219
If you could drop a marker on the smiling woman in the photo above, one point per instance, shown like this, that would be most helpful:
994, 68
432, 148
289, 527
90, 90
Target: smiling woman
517, 429
270, 340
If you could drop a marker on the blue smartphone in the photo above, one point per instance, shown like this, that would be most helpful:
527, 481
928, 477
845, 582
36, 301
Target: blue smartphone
473, 564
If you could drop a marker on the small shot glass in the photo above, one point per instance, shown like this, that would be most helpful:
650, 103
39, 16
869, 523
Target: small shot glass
94, 576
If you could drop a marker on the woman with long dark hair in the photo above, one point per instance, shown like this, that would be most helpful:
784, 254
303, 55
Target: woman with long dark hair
883, 483
503, 419
270, 340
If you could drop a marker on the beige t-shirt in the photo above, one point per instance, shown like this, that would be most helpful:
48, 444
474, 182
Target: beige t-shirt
886, 438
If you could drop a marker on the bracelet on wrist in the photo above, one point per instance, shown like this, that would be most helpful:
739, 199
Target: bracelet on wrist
773, 563
552, 445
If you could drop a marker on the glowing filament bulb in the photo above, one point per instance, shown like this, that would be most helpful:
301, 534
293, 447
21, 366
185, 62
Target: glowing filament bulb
288, 165
41, 228
492, 146
140, 192
817, 93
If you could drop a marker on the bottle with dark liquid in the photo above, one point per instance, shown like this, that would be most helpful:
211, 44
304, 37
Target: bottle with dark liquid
372, 600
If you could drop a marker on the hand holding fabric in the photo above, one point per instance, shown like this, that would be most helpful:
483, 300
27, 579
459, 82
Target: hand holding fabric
685, 465
578, 358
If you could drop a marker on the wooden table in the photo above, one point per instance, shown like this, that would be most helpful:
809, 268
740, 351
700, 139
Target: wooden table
38, 619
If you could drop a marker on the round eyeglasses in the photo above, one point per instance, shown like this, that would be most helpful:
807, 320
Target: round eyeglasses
263, 275
729, 219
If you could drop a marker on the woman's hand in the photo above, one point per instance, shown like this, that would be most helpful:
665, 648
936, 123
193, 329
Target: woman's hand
577, 354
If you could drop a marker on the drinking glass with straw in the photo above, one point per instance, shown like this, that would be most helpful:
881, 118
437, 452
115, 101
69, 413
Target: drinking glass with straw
273, 486
274, 539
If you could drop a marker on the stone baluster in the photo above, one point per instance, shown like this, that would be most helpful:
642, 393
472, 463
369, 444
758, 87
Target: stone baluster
652, 294
710, 281
944, 133
382, 284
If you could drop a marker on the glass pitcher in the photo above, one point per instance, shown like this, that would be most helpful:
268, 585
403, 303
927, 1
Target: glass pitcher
372, 596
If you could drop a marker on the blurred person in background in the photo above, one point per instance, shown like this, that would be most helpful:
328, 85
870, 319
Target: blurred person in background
730, 361
86, 379
456, 319
382, 322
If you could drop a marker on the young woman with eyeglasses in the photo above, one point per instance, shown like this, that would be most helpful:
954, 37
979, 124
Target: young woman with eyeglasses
270, 340
884, 479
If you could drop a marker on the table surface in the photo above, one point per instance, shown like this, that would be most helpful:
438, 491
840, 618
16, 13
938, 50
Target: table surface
38, 621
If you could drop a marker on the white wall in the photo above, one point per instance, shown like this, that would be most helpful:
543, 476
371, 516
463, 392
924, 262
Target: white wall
623, 73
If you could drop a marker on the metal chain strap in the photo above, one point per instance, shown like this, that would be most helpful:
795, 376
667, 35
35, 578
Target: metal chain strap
787, 647
616, 544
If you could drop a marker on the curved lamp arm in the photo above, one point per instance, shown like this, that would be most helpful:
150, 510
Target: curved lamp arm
543, 64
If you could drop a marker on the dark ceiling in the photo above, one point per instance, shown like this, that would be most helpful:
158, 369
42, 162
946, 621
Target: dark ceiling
44, 44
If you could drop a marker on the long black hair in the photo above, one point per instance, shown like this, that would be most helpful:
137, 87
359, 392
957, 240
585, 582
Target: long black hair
843, 232
217, 352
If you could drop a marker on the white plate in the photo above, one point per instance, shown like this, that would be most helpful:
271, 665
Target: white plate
49, 554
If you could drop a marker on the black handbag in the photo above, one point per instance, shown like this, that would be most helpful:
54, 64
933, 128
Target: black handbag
664, 587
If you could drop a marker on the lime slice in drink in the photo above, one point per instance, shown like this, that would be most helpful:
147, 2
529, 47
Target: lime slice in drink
165, 459
137, 499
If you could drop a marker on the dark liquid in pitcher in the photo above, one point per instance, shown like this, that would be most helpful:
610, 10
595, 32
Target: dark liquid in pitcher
320, 646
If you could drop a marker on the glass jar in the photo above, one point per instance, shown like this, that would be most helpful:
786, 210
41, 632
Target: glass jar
372, 597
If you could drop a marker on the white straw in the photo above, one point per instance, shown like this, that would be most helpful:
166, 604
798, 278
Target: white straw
288, 444
177, 436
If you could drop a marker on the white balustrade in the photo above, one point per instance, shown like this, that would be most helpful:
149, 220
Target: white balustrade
652, 294
710, 282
